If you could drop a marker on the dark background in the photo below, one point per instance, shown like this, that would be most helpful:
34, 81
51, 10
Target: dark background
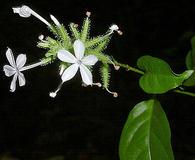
85, 123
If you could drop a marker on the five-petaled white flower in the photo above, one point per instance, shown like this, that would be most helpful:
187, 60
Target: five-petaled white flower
79, 62
15, 69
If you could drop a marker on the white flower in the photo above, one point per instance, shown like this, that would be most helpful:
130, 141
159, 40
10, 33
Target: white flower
25, 11
114, 28
79, 62
15, 69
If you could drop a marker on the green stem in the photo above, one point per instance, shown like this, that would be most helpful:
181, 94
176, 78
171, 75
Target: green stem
129, 68
184, 92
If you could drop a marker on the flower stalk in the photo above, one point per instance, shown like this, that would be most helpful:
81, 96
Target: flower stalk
32, 66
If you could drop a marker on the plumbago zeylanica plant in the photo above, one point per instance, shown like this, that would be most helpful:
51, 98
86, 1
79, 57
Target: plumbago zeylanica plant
146, 134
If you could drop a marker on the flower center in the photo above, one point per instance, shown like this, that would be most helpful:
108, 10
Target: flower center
17, 70
79, 62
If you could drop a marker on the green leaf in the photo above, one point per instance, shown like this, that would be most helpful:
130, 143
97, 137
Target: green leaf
190, 64
158, 77
190, 81
193, 42
146, 134
190, 58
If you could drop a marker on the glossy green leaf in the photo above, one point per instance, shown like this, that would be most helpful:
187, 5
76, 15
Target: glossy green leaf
193, 42
190, 64
190, 58
158, 77
190, 81
146, 134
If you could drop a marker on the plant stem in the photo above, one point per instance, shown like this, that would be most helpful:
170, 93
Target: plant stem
184, 92
129, 68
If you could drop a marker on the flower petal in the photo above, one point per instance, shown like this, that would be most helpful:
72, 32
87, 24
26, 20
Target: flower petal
70, 72
66, 56
86, 75
89, 60
23, 11
21, 79
13, 83
21, 60
79, 49
9, 70
10, 57
56, 22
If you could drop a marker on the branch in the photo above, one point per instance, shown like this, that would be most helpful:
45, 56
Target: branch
129, 68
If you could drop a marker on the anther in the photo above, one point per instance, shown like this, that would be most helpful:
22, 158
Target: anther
115, 94
120, 32
116, 67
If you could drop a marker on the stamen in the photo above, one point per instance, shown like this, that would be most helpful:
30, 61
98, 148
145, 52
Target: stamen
97, 84
56, 22
54, 94
115, 94
93, 84
26, 12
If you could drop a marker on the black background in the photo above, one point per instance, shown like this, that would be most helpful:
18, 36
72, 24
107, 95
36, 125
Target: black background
85, 123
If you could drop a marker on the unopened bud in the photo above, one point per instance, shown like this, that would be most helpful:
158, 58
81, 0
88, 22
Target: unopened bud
88, 14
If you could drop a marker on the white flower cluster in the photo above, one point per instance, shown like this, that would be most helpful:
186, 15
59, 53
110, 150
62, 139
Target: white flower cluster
77, 61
